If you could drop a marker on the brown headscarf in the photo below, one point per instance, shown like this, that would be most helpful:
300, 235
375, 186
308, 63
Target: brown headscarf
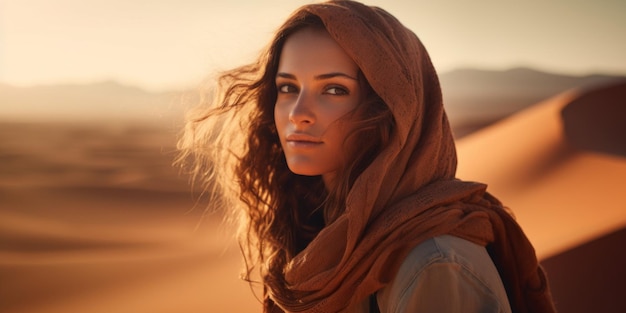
409, 193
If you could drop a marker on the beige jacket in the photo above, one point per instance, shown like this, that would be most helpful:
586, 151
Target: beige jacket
443, 275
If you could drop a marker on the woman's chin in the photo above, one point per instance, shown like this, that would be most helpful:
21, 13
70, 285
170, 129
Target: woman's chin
298, 170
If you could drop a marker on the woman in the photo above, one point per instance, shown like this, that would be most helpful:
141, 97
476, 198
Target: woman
336, 148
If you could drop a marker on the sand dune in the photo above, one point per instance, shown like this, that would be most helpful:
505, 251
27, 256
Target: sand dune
590, 277
562, 195
94, 219
560, 167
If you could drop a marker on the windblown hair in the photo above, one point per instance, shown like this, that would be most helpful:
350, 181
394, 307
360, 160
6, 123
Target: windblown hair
231, 146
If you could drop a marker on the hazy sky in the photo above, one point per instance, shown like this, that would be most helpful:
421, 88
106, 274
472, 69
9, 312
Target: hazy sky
159, 44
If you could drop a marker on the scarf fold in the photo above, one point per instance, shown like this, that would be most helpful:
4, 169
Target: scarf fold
409, 193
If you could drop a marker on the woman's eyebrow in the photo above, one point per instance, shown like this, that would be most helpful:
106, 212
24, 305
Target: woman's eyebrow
286, 75
318, 77
332, 75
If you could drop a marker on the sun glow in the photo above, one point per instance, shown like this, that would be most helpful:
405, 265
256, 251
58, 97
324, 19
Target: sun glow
169, 44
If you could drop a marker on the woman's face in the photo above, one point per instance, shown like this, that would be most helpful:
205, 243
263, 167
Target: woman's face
317, 89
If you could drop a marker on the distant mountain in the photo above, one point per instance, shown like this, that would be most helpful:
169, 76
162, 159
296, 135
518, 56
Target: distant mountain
475, 98
105, 101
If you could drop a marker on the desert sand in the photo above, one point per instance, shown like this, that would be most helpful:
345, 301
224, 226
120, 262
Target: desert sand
93, 218
560, 167
561, 194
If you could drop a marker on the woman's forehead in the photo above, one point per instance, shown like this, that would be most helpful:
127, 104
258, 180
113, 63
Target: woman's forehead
313, 50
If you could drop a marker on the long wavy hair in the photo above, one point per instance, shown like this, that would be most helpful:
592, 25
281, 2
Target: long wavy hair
230, 145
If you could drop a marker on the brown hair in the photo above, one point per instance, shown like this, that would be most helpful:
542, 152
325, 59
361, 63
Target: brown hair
231, 146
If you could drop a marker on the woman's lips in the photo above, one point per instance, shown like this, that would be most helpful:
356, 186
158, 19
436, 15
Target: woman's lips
298, 140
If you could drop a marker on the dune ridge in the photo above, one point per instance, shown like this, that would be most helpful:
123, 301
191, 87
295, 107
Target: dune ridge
554, 188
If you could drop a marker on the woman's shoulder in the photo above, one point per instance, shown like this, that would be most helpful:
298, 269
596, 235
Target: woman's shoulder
448, 249
446, 274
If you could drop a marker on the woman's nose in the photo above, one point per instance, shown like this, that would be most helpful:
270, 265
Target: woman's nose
302, 111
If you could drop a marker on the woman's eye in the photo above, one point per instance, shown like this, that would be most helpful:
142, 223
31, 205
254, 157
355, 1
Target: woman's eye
286, 88
337, 91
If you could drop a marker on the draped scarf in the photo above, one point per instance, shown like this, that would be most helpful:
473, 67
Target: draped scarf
409, 193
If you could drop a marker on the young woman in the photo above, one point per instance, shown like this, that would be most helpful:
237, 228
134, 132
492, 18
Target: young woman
335, 148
